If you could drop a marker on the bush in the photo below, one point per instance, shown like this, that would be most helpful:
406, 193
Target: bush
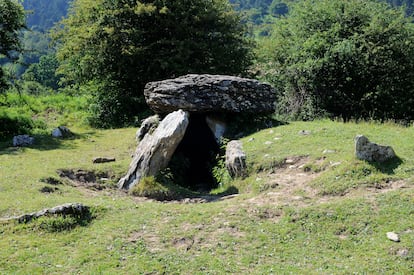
353, 59
14, 125
123, 45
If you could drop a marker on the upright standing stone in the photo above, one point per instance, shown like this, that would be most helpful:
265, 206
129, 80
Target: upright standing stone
369, 151
235, 159
155, 150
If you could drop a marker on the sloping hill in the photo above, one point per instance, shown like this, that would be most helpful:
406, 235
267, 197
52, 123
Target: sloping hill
308, 206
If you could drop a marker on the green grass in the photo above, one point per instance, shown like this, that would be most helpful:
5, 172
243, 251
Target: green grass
340, 230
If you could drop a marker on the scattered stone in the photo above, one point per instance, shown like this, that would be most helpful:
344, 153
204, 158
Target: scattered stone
290, 161
250, 140
403, 252
276, 138
148, 125
271, 132
304, 133
210, 93
61, 132
268, 143
369, 151
333, 164
103, 160
51, 181
73, 209
155, 150
48, 189
393, 236
328, 151
235, 159
23, 140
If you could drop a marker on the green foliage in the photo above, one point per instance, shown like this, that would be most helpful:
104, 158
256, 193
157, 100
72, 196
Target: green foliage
44, 72
258, 10
43, 14
12, 16
33, 113
348, 58
14, 124
149, 187
124, 44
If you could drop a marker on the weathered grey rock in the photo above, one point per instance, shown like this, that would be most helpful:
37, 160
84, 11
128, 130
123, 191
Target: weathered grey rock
235, 159
103, 160
61, 132
147, 126
155, 150
369, 151
393, 236
23, 140
74, 209
210, 93
217, 126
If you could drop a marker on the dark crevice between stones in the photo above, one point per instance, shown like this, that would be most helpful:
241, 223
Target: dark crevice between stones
195, 156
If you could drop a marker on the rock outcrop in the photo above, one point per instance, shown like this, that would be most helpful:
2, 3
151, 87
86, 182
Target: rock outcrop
210, 93
235, 159
68, 209
155, 150
369, 151
23, 140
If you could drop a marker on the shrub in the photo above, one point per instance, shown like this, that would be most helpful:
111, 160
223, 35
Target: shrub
353, 59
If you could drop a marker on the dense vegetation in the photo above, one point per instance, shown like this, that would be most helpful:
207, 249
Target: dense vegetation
307, 206
13, 16
42, 15
116, 47
353, 59
361, 68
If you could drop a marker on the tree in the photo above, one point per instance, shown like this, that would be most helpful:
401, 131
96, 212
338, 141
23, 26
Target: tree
12, 21
348, 58
120, 45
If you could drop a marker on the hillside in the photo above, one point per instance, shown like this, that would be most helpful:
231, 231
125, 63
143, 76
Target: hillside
43, 14
307, 207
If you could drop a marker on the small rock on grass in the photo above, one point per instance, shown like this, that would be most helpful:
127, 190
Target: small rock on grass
102, 160
393, 236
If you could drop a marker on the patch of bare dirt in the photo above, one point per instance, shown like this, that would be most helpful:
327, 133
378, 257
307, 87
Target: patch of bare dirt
289, 185
87, 180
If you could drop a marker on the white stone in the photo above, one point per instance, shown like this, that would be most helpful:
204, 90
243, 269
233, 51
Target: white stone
61, 132
393, 236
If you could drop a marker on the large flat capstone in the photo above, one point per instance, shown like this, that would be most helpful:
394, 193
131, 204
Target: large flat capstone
210, 93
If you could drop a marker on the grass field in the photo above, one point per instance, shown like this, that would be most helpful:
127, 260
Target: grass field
308, 206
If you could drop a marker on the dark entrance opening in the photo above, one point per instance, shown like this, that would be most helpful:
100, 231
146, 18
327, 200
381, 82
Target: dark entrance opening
195, 156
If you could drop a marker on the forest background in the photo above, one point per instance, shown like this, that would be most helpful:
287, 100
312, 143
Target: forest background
95, 64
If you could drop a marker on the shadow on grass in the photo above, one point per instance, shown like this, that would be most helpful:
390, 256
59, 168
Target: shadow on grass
388, 166
245, 125
44, 143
